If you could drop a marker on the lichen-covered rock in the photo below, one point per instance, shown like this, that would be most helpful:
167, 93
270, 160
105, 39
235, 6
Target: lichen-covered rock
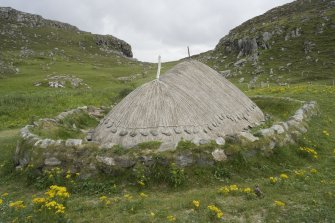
266, 132
52, 161
184, 160
112, 43
73, 142
220, 141
248, 136
219, 155
278, 129
109, 161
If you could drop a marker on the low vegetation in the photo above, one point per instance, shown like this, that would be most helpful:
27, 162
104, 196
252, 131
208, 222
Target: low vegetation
294, 181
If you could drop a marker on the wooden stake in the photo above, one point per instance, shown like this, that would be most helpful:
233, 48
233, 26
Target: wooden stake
188, 51
159, 67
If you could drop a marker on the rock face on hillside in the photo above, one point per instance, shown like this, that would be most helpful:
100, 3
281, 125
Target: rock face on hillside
31, 20
290, 43
14, 20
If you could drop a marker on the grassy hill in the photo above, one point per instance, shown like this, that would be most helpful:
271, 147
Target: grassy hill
302, 187
32, 49
289, 44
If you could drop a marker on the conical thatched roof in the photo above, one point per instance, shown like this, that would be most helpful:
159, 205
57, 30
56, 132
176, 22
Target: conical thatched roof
191, 101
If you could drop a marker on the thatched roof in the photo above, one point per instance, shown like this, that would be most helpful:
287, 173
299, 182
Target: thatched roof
191, 101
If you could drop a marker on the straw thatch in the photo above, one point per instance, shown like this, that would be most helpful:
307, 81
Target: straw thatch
191, 101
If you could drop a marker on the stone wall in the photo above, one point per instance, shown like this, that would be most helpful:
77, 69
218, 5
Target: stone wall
89, 158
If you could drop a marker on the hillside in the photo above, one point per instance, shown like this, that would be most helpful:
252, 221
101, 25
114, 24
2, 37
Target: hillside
48, 66
281, 60
289, 44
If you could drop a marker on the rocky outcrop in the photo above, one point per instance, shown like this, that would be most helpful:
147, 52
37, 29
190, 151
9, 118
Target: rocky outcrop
112, 44
62, 81
14, 19
31, 20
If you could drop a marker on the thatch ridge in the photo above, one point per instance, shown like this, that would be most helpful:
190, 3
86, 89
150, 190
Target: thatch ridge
190, 101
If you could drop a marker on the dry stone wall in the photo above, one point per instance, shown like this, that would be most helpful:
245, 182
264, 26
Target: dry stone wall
87, 157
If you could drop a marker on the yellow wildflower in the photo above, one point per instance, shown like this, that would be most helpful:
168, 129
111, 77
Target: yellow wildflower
233, 187
309, 151
196, 203
171, 218
279, 203
128, 197
283, 176
141, 183
152, 214
1, 201
314, 171
39, 200
50, 204
4, 195
217, 211
247, 190
273, 180
325, 132
299, 173
143, 195
57, 191
102, 198
17, 205
224, 190
68, 176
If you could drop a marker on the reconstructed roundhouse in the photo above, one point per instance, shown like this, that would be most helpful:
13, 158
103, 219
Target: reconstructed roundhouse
191, 101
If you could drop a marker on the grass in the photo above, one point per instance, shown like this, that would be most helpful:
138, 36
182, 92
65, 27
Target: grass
307, 198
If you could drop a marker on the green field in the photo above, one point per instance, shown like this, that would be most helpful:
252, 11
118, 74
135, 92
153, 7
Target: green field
302, 187
308, 197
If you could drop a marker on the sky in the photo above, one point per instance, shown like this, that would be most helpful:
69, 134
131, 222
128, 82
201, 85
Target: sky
153, 27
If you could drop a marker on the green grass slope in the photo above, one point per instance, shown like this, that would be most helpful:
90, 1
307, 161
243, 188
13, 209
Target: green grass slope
307, 195
32, 48
295, 43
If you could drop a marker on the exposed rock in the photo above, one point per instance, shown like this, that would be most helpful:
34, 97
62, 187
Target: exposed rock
278, 129
184, 160
108, 42
45, 143
240, 62
146, 160
266, 132
219, 155
52, 161
266, 36
73, 142
62, 81
124, 161
167, 147
248, 136
109, 161
203, 141
226, 73
220, 141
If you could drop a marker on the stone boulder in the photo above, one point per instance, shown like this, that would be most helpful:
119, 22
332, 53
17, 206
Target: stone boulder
219, 155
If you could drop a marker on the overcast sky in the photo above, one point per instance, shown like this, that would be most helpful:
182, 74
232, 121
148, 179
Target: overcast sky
153, 27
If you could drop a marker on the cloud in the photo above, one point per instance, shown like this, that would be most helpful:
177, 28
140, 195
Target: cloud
153, 27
